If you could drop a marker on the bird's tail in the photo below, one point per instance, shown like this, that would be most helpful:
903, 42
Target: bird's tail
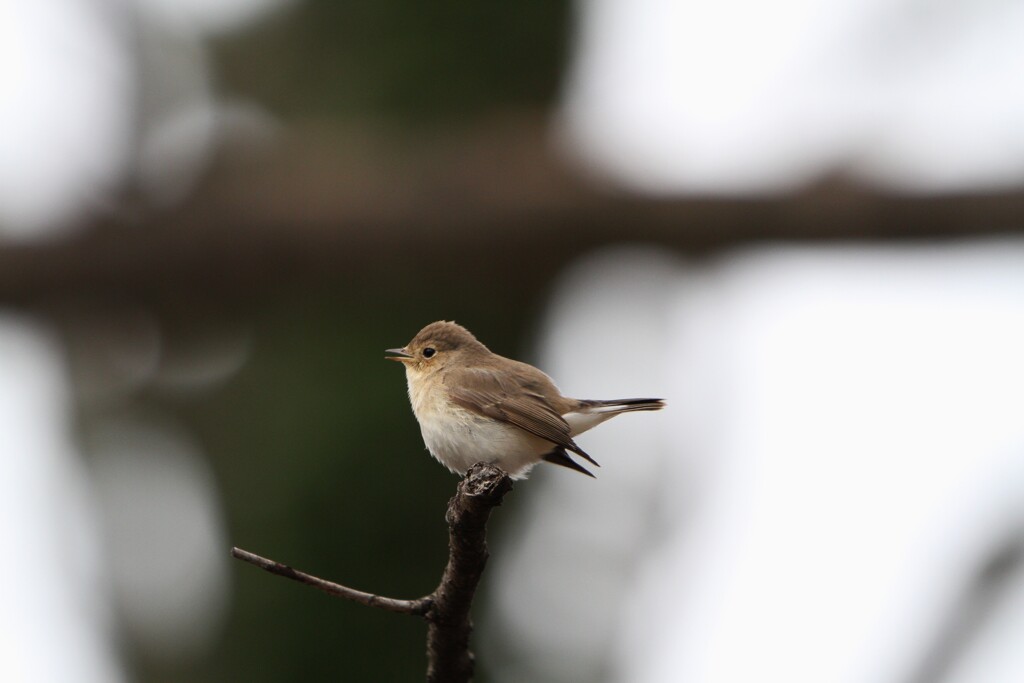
589, 414
622, 405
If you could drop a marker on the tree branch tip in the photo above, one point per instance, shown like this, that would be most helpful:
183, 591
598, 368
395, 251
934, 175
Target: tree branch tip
251, 558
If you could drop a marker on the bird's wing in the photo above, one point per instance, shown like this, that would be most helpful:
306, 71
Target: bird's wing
487, 393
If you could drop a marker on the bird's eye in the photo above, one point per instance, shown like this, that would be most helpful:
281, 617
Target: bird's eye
428, 352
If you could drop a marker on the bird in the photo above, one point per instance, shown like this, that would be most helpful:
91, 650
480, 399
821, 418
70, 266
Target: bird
475, 406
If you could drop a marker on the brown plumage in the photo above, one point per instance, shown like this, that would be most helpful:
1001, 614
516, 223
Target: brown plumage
474, 405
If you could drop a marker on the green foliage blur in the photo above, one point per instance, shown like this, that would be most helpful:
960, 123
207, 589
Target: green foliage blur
411, 61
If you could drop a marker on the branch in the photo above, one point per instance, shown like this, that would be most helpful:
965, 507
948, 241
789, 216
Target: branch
415, 607
446, 609
448, 655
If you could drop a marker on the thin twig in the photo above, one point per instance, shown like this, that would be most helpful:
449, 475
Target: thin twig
417, 607
446, 609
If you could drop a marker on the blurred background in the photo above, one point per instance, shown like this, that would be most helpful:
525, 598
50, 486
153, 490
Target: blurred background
798, 222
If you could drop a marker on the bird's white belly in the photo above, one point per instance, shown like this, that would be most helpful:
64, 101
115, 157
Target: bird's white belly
460, 441
459, 438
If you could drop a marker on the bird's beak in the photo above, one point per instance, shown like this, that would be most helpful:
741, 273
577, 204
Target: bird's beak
400, 355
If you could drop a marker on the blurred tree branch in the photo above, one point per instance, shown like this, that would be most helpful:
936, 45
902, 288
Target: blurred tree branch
366, 205
446, 609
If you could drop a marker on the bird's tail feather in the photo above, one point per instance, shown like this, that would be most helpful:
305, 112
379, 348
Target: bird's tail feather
623, 405
560, 457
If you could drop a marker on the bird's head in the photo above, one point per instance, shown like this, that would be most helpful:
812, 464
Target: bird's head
437, 346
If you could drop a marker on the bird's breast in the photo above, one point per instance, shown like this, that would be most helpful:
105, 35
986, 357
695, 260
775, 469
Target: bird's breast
459, 438
428, 397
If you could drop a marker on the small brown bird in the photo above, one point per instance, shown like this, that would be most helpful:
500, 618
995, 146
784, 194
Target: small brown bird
476, 406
